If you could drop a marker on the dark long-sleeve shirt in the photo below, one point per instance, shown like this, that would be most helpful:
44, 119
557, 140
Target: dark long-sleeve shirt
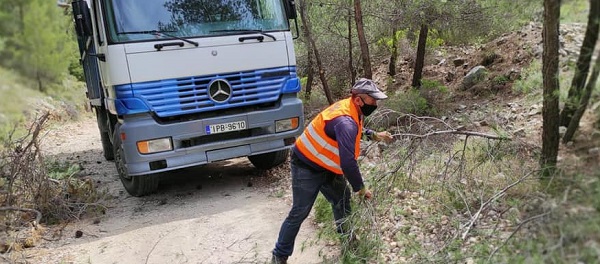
343, 130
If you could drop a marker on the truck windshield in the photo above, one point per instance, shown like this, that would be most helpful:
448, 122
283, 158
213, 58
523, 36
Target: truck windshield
192, 18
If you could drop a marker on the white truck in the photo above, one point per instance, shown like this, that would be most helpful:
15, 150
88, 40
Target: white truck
180, 83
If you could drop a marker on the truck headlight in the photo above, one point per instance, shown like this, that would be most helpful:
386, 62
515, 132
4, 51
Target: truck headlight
154, 145
286, 124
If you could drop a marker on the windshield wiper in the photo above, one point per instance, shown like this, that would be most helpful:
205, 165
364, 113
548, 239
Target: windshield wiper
246, 31
163, 32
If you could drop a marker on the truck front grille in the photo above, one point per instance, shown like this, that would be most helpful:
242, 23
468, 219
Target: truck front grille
183, 96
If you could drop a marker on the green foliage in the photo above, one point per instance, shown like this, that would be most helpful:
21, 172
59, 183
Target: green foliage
531, 79
20, 102
60, 170
500, 80
388, 42
16, 100
340, 87
409, 102
508, 15
428, 99
434, 85
323, 211
76, 70
434, 40
574, 11
38, 44
571, 230
8, 13
70, 92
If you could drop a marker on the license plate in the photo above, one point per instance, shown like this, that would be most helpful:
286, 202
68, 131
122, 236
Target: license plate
225, 127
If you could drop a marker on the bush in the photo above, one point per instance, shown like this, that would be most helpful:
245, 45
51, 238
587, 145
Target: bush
34, 191
427, 100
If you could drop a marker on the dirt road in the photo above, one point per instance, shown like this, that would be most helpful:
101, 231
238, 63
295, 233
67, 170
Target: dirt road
226, 212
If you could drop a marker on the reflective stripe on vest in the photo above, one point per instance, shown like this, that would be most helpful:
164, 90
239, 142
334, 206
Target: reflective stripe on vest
314, 143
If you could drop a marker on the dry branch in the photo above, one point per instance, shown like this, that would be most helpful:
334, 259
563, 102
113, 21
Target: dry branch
492, 199
453, 131
517, 230
38, 214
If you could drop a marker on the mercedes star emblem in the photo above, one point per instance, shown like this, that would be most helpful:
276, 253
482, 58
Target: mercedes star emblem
219, 91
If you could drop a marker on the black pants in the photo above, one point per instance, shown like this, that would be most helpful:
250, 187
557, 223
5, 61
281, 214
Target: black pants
306, 184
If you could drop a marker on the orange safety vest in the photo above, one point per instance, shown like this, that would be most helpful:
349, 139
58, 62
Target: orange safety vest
319, 148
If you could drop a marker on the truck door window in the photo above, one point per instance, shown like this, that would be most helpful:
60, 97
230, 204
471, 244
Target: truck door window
192, 18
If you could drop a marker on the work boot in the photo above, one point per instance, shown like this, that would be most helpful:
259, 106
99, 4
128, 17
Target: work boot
278, 260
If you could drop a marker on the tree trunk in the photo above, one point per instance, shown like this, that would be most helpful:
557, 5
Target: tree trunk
585, 98
310, 75
550, 112
21, 7
350, 49
310, 70
313, 45
583, 63
38, 78
420, 60
394, 55
364, 47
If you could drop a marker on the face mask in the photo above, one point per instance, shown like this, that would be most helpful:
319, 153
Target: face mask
367, 109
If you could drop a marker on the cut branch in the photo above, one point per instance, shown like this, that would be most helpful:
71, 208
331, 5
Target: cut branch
485, 205
453, 131
517, 230
38, 213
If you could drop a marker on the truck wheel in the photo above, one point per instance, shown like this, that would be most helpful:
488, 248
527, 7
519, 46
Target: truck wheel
269, 160
107, 147
135, 185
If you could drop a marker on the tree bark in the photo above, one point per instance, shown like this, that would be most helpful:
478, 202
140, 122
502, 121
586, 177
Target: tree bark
394, 55
364, 47
585, 98
583, 63
350, 49
550, 112
310, 75
313, 45
420, 59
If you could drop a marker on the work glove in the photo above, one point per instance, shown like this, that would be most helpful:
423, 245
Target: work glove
383, 136
365, 193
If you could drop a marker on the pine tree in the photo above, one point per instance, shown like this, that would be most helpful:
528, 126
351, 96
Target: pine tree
40, 49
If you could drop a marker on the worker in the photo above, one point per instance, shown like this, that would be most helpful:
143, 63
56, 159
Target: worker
324, 157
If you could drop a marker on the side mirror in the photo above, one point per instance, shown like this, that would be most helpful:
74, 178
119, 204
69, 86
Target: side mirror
83, 21
290, 9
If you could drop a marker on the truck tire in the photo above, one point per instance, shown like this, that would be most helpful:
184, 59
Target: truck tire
269, 160
107, 147
135, 185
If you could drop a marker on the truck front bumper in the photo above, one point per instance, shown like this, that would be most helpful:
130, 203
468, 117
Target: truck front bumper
192, 145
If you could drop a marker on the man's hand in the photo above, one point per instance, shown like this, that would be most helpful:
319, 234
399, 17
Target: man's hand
366, 193
383, 136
